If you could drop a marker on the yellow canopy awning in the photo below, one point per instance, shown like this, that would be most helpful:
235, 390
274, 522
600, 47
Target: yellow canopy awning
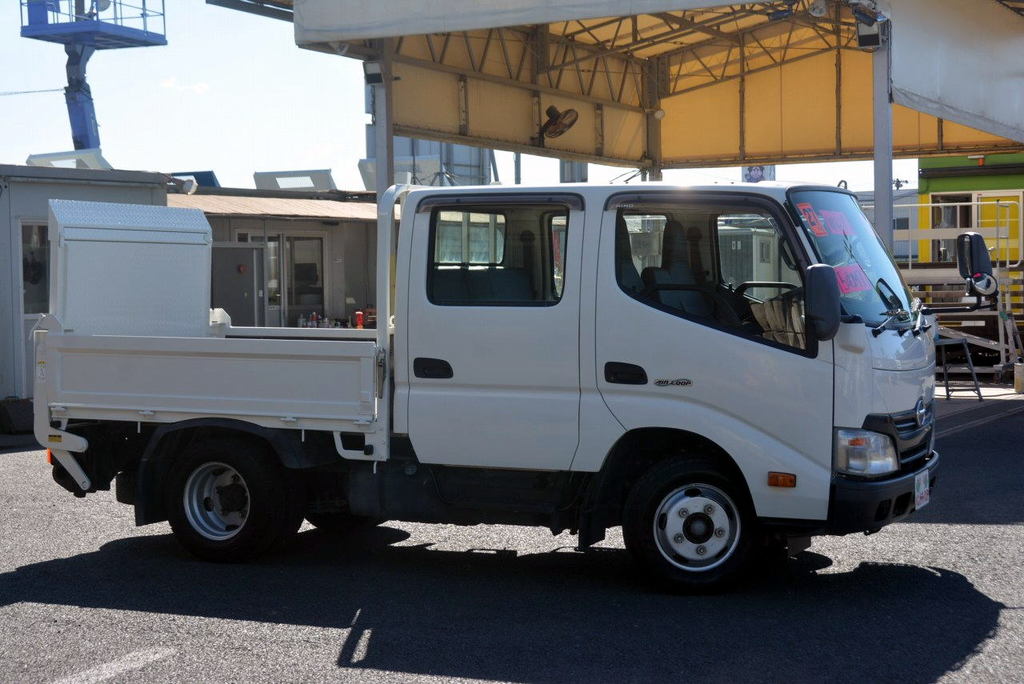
687, 83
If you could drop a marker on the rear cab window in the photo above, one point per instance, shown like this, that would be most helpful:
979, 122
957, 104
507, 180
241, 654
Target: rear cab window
498, 255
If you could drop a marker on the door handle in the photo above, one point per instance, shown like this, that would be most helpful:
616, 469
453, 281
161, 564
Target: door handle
620, 373
432, 368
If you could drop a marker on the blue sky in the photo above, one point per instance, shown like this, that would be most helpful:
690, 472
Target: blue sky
231, 92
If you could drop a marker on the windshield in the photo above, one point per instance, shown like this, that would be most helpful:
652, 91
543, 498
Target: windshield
870, 285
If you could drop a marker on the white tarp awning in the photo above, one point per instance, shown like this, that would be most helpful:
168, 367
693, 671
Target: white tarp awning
319, 21
960, 61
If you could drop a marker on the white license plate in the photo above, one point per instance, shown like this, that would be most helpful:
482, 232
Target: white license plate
921, 491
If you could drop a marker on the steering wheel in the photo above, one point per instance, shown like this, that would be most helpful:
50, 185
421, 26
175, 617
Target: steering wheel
743, 287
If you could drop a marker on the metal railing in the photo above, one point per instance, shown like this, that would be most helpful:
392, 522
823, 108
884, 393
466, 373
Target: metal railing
142, 15
1005, 227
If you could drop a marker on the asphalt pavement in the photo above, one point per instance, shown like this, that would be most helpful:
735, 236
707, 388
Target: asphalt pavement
87, 597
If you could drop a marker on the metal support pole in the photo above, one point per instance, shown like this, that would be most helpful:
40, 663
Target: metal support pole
383, 126
651, 92
517, 158
85, 131
882, 125
572, 172
493, 165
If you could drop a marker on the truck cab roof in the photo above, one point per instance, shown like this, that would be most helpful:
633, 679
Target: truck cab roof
596, 192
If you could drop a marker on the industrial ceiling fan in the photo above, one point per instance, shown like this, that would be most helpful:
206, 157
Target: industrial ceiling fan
558, 122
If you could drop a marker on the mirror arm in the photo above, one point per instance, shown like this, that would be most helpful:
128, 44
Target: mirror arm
977, 306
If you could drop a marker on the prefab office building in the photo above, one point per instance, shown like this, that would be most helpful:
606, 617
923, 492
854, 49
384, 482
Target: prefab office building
25, 192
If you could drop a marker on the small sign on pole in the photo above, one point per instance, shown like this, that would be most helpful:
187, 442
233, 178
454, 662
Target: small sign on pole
756, 174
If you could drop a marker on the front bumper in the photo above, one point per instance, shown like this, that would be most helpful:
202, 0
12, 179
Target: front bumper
867, 506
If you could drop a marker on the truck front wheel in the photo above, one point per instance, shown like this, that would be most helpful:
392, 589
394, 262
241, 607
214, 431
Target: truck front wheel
230, 500
688, 525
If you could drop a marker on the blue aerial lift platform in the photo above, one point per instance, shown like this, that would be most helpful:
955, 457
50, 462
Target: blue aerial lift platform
84, 26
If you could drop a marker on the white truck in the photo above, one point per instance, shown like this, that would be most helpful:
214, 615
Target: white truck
714, 369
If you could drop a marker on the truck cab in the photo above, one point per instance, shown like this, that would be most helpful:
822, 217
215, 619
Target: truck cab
716, 369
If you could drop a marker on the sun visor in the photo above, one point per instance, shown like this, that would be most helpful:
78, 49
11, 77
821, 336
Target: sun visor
965, 71
326, 21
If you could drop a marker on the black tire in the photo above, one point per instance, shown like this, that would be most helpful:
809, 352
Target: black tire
229, 500
689, 550
341, 522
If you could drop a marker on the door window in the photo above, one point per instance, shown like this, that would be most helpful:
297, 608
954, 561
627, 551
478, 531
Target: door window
306, 284
719, 265
497, 256
35, 268
273, 263
956, 214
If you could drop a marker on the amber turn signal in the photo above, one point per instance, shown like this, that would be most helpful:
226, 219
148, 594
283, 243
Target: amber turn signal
49, 457
781, 479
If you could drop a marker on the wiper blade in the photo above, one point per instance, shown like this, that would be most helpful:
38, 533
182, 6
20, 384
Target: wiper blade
891, 315
920, 311
895, 310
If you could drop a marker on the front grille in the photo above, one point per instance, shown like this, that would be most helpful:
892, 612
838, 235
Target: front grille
904, 424
913, 441
913, 459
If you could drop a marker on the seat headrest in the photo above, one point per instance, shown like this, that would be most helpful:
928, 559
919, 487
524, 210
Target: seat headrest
674, 248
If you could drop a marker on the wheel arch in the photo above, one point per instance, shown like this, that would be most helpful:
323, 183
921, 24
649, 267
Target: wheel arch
169, 440
633, 454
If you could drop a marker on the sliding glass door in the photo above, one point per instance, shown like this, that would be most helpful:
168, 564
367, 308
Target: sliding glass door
296, 275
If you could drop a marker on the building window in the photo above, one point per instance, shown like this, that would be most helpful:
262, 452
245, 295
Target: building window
35, 268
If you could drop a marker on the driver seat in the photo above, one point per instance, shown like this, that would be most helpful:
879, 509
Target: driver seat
675, 270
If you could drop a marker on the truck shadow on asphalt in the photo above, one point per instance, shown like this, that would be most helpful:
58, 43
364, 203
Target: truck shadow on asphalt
545, 617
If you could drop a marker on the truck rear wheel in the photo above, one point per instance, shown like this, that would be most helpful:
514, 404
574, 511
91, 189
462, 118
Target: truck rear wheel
688, 525
229, 500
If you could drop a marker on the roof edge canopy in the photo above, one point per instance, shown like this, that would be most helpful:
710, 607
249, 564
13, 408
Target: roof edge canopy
338, 21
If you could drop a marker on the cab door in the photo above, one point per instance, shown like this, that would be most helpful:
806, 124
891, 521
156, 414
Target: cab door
493, 343
700, 328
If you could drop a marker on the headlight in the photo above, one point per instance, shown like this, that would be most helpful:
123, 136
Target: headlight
864, 453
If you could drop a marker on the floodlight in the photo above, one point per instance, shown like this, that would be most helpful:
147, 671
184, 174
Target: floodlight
372, 73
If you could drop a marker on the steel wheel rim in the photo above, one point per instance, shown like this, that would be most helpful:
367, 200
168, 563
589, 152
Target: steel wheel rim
216, 501
696, 527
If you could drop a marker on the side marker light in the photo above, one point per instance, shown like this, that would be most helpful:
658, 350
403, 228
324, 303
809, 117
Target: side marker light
781, 479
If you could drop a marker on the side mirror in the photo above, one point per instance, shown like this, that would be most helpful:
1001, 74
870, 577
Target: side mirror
822, 301
975, 265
